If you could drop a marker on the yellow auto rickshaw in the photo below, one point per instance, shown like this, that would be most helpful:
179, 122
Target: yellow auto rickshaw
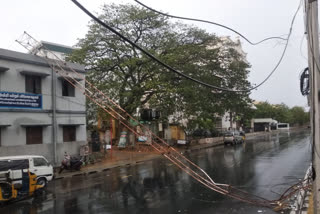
243, 134
10, 191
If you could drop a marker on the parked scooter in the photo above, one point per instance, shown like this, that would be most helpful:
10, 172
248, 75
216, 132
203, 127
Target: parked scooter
70, 163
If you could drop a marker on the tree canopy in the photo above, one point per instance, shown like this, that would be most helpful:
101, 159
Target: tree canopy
282, 113
135, 81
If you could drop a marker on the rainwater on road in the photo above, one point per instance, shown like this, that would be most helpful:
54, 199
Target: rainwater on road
264, 166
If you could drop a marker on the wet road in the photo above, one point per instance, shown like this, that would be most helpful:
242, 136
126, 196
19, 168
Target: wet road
264, 166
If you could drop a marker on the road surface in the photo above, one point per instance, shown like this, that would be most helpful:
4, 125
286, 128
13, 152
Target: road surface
264, 166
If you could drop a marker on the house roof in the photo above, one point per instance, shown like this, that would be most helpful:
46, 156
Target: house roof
57, 47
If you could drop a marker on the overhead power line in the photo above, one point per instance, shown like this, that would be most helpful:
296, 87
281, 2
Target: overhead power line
158, 144
210, 22
162, 147
178, 72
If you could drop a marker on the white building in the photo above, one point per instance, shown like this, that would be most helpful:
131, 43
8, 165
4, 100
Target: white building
263, 124
223, 122
40, 112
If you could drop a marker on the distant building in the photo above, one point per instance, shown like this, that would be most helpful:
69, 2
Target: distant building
263, 124
34, 118
228, 120
226, 41
223, 123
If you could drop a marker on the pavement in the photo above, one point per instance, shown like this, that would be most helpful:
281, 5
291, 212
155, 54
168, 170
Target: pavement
127, 157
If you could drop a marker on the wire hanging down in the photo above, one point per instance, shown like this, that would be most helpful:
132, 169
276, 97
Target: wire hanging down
304, 82
209, 22
158, 144
178, 72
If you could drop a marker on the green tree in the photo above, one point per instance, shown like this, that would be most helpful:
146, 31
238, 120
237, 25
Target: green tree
282, 113
129, 77
279, 112
264, 110
299, 116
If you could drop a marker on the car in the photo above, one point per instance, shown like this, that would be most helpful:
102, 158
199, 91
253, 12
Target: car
233, 137
34, 163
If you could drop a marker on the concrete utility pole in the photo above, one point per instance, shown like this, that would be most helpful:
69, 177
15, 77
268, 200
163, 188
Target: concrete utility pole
311, 15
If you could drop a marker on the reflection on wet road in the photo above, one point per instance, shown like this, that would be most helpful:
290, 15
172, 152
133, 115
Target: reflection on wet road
264, 166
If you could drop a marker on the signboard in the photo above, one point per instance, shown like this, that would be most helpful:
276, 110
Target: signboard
20, 100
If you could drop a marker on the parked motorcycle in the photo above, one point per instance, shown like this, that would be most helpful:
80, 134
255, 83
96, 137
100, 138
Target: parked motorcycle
70, 163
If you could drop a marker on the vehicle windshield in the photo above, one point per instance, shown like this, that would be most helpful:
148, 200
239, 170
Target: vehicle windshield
6, 165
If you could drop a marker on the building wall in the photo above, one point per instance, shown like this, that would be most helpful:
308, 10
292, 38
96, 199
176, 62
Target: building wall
43, 149
13, 81
81, 133
226, 121
15, 134
76, 103
69, 110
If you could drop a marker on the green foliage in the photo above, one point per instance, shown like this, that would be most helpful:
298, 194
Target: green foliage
282, 113
299, 116
133, 80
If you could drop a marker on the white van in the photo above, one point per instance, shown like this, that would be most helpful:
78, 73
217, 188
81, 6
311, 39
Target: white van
34, 163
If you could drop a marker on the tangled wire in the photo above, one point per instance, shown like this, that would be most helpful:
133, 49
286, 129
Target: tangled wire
304, 82
159, 145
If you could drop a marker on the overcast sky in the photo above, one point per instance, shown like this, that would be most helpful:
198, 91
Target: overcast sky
60, 21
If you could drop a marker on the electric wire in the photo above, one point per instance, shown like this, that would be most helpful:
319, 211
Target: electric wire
173, 159
180, 73
304, 82
165, 150
262, 203
208, 183
209, 22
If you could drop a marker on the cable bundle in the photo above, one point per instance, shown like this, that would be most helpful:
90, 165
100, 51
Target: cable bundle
304, 82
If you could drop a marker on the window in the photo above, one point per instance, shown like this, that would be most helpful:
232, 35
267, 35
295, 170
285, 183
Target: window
6, 165
69, 133
39, 162
33, 84
67, 89
283, 126
34, 135
218, 122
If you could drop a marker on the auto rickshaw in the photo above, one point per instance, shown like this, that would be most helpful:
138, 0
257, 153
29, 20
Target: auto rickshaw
243, 134
10, 191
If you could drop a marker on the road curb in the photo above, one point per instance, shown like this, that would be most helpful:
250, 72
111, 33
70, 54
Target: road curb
103, 169
132, 163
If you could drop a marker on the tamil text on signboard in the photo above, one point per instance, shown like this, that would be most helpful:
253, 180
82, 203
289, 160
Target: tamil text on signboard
20, 100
